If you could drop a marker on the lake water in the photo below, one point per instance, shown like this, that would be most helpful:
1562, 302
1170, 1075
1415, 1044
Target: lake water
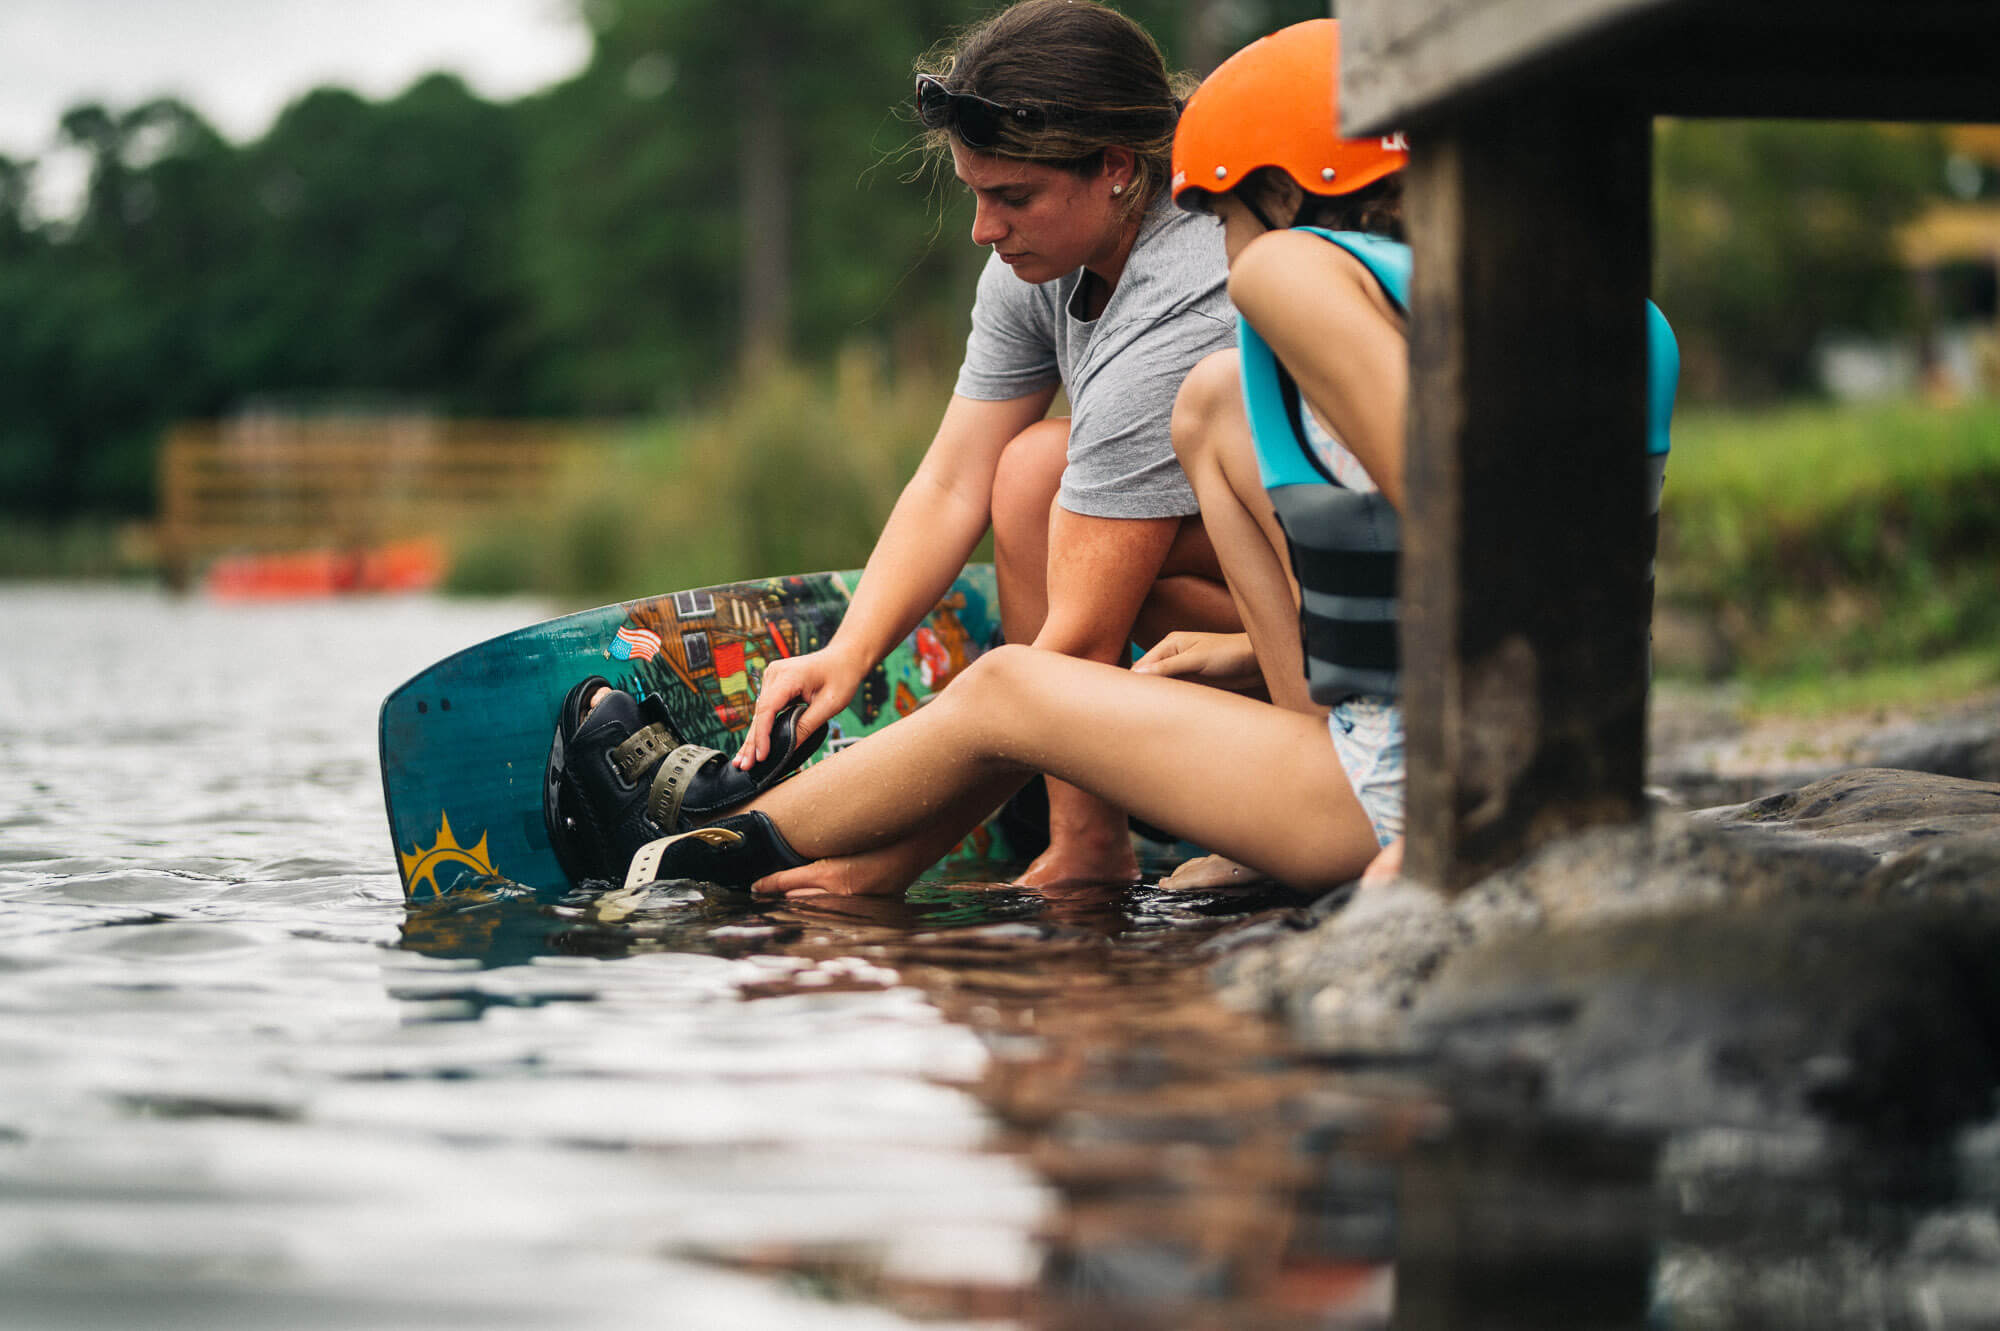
243, 1085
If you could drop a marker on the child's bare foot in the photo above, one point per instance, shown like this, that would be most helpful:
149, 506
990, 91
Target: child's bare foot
1211, 871
1387, 864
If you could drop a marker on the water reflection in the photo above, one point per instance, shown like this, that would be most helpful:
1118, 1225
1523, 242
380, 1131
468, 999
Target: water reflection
1158, 1160
1195, 1169
243, 1084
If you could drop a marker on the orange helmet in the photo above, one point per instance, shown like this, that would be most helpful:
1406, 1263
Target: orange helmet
1276, 103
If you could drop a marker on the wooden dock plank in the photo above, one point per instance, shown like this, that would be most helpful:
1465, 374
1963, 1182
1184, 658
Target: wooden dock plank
1403, 61
270, 485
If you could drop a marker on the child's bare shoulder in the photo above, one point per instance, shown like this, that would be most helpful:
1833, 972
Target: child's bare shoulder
1283, 267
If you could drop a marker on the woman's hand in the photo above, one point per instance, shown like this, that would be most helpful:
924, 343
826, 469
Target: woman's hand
825, 678
1220, 660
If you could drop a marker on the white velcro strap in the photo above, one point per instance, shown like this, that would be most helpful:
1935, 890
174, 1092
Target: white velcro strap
645, 866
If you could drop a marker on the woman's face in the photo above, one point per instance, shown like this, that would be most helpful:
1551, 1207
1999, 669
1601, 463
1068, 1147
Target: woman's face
1043, 221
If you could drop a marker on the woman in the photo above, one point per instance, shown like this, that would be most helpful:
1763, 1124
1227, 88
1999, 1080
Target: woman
1059, 118
1313, 439
1256, 781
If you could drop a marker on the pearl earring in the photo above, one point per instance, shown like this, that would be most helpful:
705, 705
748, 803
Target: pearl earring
1117, 190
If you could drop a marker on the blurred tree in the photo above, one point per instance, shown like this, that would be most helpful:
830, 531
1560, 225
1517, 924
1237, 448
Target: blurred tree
103, 316
26, 447
706, 193
359, 249
1773, 233
1200, 34
384, 256
17, 217
727, 182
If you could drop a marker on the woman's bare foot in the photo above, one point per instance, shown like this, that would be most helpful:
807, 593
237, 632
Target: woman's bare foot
1211, 871
1089, 842
1084, 860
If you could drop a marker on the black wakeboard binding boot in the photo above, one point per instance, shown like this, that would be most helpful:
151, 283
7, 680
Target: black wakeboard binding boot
619, 780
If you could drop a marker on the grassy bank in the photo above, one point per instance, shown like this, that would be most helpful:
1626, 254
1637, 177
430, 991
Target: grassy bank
1823, 558
76, 549
1827, 555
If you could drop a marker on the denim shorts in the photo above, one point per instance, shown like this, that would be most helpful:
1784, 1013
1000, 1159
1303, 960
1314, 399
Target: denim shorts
1368, 740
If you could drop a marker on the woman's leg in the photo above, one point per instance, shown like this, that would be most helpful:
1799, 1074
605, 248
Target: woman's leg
1189, 592
1256, 782
1086, 838
1024, 491
1098, 574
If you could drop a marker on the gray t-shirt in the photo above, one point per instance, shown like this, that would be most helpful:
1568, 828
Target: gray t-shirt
1121, 369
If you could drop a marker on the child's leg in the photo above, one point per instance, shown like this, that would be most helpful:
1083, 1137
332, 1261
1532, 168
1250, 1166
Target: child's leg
1212, 439
1255, 782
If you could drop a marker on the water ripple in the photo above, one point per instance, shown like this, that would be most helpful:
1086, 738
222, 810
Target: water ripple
245, 1086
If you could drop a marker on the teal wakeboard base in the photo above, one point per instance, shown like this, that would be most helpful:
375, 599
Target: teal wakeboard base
464, 743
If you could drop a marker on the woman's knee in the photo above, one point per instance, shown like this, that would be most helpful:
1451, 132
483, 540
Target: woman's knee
1211, 390
989, 698
999, 675
1029, 474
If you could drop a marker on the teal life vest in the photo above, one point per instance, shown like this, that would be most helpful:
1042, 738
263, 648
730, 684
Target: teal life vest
1345, 543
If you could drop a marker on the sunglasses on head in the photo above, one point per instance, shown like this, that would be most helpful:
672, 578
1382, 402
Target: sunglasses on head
977, 121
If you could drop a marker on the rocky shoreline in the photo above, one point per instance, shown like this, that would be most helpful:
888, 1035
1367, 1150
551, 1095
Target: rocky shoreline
1705, 756
1781, 1011
1886, 876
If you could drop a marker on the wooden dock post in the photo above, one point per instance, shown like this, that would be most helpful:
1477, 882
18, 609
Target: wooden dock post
1529, 207
1527, 540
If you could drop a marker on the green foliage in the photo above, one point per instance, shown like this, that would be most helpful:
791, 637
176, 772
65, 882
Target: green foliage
1896, 684
1818, 542
607, 247
795, 472
409, 213
93, 548
356, 249
1771, 234
722, 183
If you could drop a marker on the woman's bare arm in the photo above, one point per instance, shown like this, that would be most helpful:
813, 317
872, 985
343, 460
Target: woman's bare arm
938, 519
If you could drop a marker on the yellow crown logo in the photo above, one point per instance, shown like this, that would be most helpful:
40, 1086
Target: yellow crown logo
423, 864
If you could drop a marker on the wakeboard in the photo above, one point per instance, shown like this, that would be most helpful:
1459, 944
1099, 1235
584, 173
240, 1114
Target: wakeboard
464, 743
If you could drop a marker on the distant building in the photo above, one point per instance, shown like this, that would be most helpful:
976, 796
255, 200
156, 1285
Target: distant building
1953, 253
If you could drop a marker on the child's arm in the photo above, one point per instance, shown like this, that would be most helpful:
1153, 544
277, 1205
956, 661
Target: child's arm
1329, 322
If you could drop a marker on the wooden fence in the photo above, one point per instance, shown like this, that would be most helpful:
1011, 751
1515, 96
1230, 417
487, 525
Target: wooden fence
265, 485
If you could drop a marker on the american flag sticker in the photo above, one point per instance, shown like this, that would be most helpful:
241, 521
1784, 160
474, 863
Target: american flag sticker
635, 644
